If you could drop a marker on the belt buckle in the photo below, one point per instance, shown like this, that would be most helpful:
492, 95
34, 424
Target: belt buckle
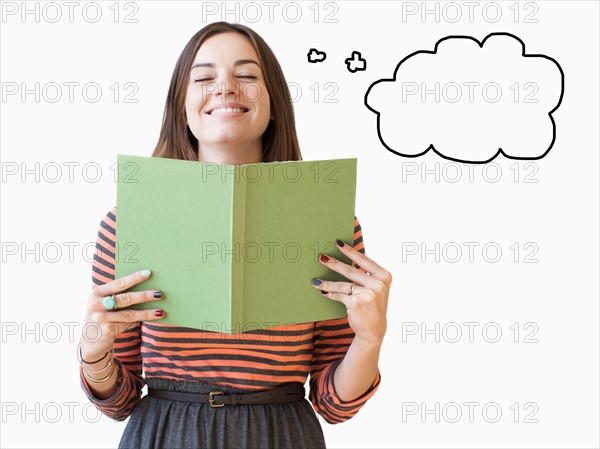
211, 399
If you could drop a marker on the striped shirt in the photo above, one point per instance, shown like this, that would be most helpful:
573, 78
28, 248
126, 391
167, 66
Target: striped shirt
262, 359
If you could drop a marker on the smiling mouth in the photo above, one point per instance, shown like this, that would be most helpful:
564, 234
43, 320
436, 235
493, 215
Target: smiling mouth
226, 110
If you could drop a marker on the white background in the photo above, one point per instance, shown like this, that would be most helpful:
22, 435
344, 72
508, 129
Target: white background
554, 380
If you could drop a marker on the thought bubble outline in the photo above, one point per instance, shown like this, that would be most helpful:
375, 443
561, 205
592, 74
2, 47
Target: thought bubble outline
431, 147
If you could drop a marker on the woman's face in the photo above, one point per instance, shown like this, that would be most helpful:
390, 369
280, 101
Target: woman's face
227, 100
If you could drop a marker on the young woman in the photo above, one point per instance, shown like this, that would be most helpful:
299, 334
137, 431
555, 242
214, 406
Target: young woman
228, 102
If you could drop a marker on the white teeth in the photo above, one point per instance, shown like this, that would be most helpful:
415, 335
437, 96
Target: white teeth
227, 110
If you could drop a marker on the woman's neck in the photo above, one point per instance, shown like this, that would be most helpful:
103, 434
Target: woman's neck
231, 154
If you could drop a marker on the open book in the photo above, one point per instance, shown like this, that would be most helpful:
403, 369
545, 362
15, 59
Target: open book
234, 248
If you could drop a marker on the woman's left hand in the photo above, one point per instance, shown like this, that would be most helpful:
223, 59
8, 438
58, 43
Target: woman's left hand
367, 304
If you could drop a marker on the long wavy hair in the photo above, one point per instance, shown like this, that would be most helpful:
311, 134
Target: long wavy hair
279, 141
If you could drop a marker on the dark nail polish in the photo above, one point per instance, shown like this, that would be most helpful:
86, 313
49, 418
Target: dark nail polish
339, 243
324, 292
159, 313
324, 258
157, 295
316, 282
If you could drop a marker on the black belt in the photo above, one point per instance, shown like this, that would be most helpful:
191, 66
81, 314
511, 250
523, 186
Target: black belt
289, 392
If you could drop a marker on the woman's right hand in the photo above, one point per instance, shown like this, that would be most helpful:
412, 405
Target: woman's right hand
102, 326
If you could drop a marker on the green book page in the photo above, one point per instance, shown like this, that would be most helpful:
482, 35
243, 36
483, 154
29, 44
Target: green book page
171, 215
295, 212
238, 238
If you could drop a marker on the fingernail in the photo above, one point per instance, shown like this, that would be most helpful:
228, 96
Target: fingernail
316, 282
157, 295
324, 292
339, 243
324, 258
145, 273
159, 313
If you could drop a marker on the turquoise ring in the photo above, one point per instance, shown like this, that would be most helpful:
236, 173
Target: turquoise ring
109, 303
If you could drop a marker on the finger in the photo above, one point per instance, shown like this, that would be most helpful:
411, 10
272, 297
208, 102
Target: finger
361, 259
336, 296
350, 272
333, 286
118, 285
131, 316
127, 299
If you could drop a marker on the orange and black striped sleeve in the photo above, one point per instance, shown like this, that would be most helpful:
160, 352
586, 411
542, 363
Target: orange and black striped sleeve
127, 356
332, 339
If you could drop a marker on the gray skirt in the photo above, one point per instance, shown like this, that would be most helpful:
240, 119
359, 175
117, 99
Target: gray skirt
166, 424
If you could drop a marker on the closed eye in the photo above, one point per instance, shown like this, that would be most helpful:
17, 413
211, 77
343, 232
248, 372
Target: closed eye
240, 76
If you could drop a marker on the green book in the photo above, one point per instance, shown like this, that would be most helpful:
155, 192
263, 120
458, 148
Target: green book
234, 248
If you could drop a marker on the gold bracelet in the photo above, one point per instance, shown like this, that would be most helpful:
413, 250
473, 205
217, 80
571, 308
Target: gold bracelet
110, 362
97, 381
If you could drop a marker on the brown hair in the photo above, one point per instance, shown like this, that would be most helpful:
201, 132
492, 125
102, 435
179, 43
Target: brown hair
279, 141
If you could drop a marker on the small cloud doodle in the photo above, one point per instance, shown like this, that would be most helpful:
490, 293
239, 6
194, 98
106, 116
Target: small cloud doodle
356, 63
315, 56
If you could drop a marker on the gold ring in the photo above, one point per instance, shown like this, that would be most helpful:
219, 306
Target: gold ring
350, 289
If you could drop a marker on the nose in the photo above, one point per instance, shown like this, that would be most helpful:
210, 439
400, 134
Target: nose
226, 85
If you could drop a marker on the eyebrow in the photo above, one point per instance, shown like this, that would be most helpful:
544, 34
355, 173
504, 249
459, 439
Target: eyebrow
235, 64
